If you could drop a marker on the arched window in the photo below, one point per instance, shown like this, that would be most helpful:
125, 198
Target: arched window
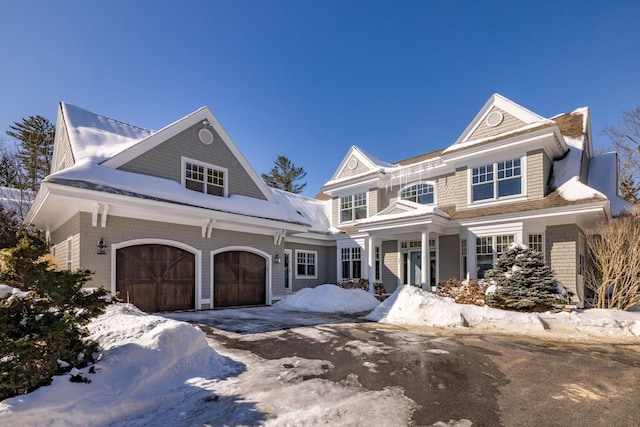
422, 193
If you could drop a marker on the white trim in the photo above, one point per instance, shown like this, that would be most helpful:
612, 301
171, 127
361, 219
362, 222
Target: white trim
263, 254
152, 241
358, 154
496, 199
433, 184
353, 220
295, 263
206, 166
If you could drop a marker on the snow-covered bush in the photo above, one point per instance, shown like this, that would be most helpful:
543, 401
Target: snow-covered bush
43, 314
521, 281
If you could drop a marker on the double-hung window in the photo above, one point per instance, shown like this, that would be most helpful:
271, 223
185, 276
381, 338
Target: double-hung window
420, 193
205, 178
488, 249
351, 263
306, 264
496, 180
353, 207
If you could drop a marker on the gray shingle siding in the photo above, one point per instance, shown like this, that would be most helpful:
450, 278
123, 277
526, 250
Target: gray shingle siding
165, 161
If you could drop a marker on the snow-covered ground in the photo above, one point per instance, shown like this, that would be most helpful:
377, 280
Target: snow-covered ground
158, 371
330, 299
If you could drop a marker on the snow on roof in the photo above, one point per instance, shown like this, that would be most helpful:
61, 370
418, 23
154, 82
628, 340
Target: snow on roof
96, 137
316, 212
375, 160
566, 171
91, 175
412, 209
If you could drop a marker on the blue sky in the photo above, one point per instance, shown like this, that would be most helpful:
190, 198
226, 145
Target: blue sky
308, 79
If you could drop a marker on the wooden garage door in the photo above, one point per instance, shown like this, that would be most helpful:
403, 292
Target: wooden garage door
239, 279
156, 277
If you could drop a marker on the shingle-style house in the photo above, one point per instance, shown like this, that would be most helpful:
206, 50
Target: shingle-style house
177, 218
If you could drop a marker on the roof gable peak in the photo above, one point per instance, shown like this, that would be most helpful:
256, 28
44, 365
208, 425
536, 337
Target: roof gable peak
498, 115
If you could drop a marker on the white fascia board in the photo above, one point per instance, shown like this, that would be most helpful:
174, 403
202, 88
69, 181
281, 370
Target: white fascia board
155, 210
531, 141
408, 224
582, 209
351, 185
353, 151
310, 239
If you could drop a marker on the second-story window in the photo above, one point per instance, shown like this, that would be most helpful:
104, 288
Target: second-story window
353, 207
205, 178
420, 193
500, 179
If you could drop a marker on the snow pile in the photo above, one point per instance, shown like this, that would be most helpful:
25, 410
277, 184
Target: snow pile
412, 306
330, 299
146, 362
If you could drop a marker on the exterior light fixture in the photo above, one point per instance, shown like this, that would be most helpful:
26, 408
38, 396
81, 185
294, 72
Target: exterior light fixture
102, 247
277, 259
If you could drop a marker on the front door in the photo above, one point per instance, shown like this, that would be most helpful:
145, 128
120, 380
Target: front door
412, 268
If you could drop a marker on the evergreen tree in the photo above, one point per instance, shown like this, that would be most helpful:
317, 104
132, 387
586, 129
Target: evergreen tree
35, 136
8, 228
43, 331
8, 171
524, 282
284, 175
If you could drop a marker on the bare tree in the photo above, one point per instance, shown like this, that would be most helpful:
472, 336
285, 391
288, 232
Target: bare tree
614, 271
626, 139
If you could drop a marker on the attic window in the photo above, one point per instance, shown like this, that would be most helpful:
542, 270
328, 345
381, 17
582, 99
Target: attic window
494, 118
205, 178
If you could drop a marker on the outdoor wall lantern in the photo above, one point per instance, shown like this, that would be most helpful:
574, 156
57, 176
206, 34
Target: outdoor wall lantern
277, 259
102, 247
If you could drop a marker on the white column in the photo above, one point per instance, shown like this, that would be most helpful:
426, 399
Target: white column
424, 261
472, 259
371, 262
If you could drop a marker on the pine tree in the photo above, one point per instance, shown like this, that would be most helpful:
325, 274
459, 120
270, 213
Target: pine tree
47, 324
35, 136
524, 282
284, 174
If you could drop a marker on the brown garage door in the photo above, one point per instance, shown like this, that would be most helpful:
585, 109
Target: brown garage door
156, 277
239, 279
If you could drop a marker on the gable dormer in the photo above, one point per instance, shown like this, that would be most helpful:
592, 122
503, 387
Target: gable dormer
498, 116
357, 163
198, 153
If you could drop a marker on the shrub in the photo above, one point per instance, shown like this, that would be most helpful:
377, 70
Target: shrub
614, 270
42, 329
522, 281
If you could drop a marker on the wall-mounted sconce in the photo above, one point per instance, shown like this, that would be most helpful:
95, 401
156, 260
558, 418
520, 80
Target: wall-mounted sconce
277, 259
102, 247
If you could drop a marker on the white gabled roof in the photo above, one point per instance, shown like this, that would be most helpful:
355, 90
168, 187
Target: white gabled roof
95, 137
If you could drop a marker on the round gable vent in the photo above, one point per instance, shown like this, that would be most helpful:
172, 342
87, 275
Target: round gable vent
205, 135
353, 163
495, 118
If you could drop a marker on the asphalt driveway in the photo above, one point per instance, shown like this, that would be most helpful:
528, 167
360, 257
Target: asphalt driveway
455, 379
